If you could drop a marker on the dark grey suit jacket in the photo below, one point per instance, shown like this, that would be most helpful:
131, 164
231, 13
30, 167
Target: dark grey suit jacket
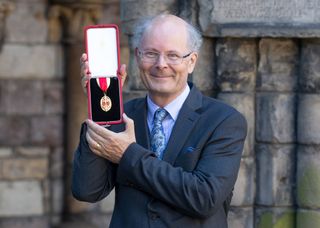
191, 187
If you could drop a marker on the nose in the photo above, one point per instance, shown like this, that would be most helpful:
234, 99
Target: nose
161, 62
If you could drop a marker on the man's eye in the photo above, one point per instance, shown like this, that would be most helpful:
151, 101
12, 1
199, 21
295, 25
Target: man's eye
150, 54
173, 56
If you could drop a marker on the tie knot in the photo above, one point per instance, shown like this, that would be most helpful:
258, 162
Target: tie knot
160, 114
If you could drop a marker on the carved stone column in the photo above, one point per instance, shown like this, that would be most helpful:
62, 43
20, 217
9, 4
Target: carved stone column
66, 21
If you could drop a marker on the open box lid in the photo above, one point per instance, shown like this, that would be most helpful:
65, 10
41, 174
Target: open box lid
102, 48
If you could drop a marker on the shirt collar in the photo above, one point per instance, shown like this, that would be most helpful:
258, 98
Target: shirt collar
172, 108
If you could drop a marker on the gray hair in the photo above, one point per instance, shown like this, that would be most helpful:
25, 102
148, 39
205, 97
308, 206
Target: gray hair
194, 39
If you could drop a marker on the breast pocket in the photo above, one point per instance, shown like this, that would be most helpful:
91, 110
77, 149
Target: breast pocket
188, 158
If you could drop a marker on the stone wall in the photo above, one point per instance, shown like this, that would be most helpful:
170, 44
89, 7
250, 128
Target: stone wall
39, 56
274, 82
31, 119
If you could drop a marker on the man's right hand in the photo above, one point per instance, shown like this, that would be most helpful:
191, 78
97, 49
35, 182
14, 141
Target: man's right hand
85, 73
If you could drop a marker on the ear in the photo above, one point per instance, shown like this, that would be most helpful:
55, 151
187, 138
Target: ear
192, 62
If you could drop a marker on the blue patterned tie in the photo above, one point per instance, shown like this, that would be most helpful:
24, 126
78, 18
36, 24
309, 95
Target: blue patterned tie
158, 139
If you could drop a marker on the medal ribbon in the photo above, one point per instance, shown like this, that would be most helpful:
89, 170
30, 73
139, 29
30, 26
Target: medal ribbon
103, 84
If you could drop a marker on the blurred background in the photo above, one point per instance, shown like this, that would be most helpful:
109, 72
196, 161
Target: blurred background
270, 72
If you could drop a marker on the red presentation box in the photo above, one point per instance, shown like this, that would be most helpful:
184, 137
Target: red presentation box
104, 89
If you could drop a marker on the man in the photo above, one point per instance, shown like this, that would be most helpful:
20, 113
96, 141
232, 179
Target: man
176, 172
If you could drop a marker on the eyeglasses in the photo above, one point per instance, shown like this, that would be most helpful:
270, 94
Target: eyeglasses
171, 58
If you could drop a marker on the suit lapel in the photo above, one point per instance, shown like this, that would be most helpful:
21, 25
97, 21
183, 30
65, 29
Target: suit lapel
185, 122
140, 124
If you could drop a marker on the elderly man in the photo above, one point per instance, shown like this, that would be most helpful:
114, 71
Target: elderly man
175, 160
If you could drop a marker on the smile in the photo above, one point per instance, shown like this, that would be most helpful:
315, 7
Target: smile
160, 76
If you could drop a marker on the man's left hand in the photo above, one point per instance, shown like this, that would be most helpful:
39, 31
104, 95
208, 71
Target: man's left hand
108, 144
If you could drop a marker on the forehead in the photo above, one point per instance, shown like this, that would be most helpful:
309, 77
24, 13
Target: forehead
168, 34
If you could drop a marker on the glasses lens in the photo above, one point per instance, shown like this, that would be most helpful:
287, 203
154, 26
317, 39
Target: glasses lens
153, 57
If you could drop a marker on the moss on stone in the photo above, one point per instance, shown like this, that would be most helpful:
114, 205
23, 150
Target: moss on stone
265, 220
286, 220
309, 187
308, 219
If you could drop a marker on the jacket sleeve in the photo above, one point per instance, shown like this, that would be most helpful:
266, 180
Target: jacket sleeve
93, 177
197, 193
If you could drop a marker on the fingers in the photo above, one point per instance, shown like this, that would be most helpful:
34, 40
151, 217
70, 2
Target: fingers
129, 122
96, 142
123, 73
129, 127
95, 136
98, 130
94, 145
84, 71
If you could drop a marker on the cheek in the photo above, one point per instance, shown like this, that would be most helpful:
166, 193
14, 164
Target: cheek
144, 67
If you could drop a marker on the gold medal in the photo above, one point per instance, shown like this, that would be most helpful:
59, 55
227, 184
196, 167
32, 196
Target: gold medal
105, 103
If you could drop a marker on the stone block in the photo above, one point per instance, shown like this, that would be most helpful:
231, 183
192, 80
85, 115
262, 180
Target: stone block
131, 11
277, 69
308, 219
47, 130
310, 66
2, 95
53, 97
77, 207
57, 196
46, 191
203, 75
236, 64
33, 151
57, 161
27, 23
23, 97
19, 61
111, 12
23, 222
308, 177
274, 217
6, 152
240, 217
235, 18
88, 220
244, 103
15, 130
244, 190
275, 174
20, 198
107, 204
308, 119
18, 168
275, 117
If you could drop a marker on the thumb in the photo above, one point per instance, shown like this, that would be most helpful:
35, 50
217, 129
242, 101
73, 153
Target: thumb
123, 73
129, 123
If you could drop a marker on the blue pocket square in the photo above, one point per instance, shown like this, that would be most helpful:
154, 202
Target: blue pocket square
189, 149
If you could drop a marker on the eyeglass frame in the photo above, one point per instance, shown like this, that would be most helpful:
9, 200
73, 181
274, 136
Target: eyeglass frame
180, 59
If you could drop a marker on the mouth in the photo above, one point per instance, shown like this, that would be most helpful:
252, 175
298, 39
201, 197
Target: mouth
160, 76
